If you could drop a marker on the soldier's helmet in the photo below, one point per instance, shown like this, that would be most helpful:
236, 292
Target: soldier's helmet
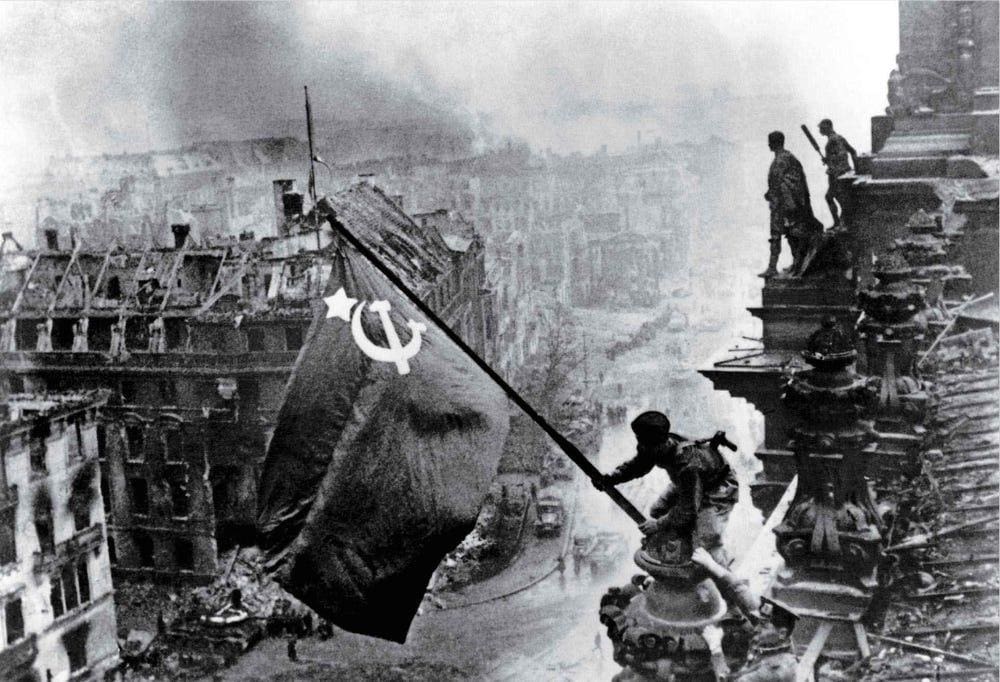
651, 426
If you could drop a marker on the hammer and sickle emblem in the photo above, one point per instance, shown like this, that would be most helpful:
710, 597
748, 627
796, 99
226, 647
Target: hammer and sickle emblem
396, 352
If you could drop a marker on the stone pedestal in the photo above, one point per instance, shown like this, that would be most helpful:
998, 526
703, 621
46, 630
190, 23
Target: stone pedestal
660, 626
831, 535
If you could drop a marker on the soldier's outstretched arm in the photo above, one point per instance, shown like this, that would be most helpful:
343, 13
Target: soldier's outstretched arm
638, 466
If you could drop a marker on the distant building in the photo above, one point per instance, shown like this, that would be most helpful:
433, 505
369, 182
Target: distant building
55, 580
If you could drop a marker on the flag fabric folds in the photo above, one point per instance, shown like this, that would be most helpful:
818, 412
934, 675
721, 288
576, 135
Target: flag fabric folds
374, 473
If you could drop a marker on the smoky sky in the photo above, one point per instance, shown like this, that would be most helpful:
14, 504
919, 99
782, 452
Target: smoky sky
84, 78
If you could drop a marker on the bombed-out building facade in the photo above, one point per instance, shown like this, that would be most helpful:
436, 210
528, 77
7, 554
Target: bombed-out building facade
194, 339
56, 597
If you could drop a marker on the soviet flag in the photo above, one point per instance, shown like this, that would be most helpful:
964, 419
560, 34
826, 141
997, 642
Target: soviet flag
385, 446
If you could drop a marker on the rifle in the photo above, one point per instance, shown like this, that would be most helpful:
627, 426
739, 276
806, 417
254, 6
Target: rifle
812, 141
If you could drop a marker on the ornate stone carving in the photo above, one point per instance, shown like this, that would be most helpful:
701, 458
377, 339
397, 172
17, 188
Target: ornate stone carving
670, 623
894, 323
832, 525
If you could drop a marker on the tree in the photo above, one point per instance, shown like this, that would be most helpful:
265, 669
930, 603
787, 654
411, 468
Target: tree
546, 378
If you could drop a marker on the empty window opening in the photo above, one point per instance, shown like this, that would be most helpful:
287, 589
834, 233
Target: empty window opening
184, 554
43, 526
83, 580
129, 392
105, 494
144, 546
81, 517
139, 490
136, 441
173, 446
180, 499
255, 339
13, 621
293, 338
8, 537
75, 643
102, 442
36, 447
114, 288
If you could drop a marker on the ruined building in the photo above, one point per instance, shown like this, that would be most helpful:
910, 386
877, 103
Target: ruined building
58, 614
195, 343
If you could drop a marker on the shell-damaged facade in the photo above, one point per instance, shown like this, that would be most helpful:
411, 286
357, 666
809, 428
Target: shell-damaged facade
195, 344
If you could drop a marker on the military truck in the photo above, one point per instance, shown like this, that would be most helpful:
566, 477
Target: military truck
550, 514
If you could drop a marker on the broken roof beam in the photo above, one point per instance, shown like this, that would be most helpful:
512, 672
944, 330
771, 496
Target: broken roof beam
236, 278
218, 274
24, 286
127, 298
172, 278
65, 276
100, 277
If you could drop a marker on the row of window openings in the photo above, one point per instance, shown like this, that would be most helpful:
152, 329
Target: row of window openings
166, 391
37, 450
44, 531
70, 589
62, 338
183, 552
172, 443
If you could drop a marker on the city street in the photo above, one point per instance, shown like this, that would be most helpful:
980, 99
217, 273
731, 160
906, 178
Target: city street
545, 628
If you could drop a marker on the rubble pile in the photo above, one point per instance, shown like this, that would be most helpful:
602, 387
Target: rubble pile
464, 562
941, 612
259, 594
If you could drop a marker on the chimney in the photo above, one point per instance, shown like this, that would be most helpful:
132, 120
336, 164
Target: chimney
292, 203
367, 178
280, 187
181, 233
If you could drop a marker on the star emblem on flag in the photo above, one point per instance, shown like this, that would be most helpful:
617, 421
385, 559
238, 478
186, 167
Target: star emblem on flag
339, 305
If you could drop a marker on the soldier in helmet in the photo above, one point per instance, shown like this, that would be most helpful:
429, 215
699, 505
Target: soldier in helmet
703, 488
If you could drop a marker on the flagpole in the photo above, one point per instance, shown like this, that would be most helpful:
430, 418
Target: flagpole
570, 450
312, 163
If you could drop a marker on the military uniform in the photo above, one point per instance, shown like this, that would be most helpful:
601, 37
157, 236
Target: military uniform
838, 154
791, 208
701, 495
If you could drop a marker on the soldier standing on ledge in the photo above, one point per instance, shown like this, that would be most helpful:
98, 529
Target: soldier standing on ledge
837, 152
703, 489
791, 210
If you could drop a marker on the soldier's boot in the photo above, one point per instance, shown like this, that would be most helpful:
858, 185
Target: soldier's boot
772, 263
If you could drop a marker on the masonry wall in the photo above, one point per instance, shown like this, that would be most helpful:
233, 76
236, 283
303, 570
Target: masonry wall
84, 620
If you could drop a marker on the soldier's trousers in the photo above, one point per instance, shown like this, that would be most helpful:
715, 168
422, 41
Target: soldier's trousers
709, 525
835, 192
